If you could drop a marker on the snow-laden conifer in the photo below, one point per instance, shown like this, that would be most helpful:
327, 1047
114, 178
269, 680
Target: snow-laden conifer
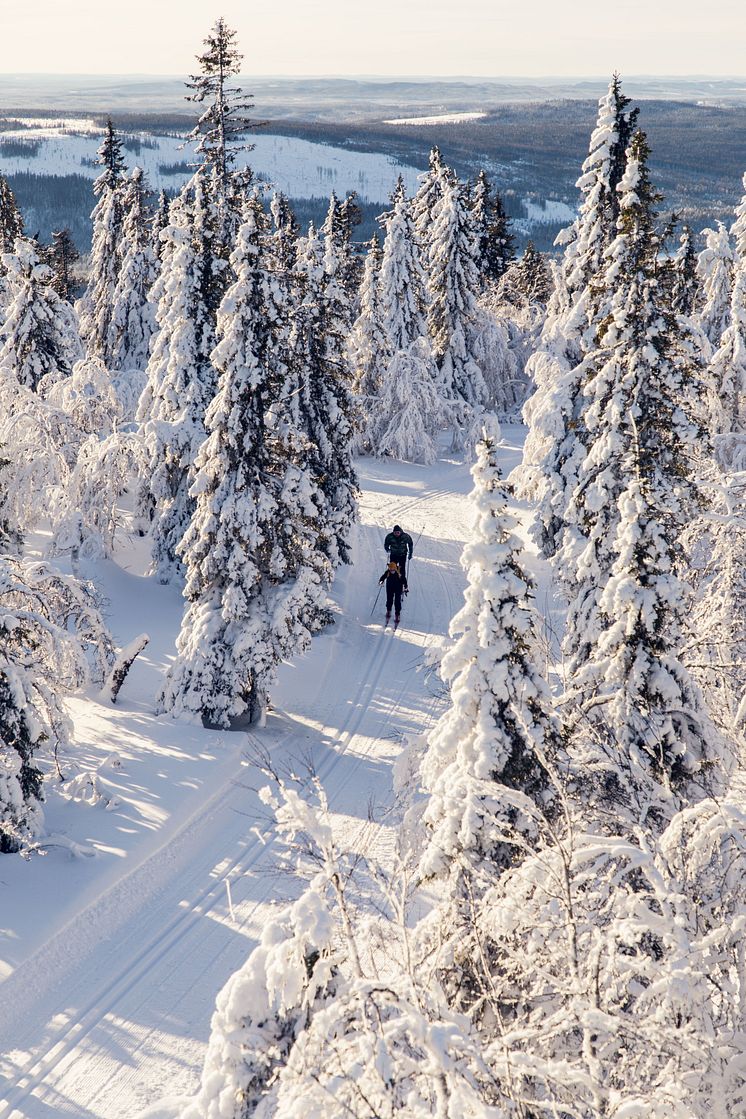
248, 563
715, 272
132, 320
554, 444
11, 228
21, 731
728, 367
495, 246
429, 194
738, 228
161, 220
684, 282
453, 286
409, 411
323, 403
485, 765
62, 257
282, 243
639, 708
52, 640
341, 219
219, 133
402, 279
40, 334
368, 348
94, 308
180, 378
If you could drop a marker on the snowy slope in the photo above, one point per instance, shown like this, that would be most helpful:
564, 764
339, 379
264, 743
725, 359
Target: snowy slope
300, 168
116, 959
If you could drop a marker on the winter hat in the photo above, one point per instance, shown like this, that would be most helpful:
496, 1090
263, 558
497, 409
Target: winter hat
397, 528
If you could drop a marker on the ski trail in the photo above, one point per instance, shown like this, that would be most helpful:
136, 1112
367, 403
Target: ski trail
128, 1023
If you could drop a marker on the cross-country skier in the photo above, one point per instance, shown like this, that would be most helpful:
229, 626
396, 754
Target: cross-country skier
396, 583
398, 544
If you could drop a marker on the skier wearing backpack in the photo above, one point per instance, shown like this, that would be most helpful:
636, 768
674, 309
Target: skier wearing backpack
398, 544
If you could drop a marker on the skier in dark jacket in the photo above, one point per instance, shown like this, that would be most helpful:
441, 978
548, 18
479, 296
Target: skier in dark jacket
396, 583
398, 544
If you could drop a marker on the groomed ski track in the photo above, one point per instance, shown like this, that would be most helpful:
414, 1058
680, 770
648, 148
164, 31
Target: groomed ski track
112, 1010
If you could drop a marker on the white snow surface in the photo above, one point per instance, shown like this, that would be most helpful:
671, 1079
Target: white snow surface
152, 893
299, 168
443, 118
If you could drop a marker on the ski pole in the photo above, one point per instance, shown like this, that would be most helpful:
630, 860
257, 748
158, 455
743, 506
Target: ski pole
376, 602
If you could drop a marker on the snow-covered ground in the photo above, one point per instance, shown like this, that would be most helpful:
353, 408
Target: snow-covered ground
113, 956
300, 168
444, 118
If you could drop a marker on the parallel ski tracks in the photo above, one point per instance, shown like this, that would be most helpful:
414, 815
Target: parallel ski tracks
109, 994
65, 1039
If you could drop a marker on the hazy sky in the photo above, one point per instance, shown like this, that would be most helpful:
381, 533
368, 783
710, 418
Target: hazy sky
414, 37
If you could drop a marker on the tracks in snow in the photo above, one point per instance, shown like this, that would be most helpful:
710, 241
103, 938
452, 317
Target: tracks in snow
68, 1067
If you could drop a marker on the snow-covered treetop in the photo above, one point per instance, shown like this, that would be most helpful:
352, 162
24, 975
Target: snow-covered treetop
111, 159
219, 131
738, 229
603, 170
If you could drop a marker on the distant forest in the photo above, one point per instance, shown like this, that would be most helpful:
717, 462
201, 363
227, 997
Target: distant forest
531, 151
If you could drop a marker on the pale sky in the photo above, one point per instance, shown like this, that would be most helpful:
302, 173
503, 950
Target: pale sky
491, 38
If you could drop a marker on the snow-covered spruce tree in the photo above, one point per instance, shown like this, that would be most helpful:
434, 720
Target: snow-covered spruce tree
716, 647
324, 401
161, 221
409, 411
11, 221
495, 245
715, 272
738, 228
20, 780
429, 194
220, 130
95, 306
52, 640
402, 280
453, 286
62, 256
282, 243
642, 735
246, 554
485, 766
727, 371
11, 228
368, 348
554, 444
337, 230
180, 377
132, 320
40, 334
684, 282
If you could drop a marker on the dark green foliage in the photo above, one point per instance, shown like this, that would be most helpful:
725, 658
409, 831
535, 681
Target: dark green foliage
16, 737
61, 256
11, 222
529, 281
495, 246
111, 159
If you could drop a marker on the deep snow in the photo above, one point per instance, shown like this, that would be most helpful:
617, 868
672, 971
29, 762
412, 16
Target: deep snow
113, 958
